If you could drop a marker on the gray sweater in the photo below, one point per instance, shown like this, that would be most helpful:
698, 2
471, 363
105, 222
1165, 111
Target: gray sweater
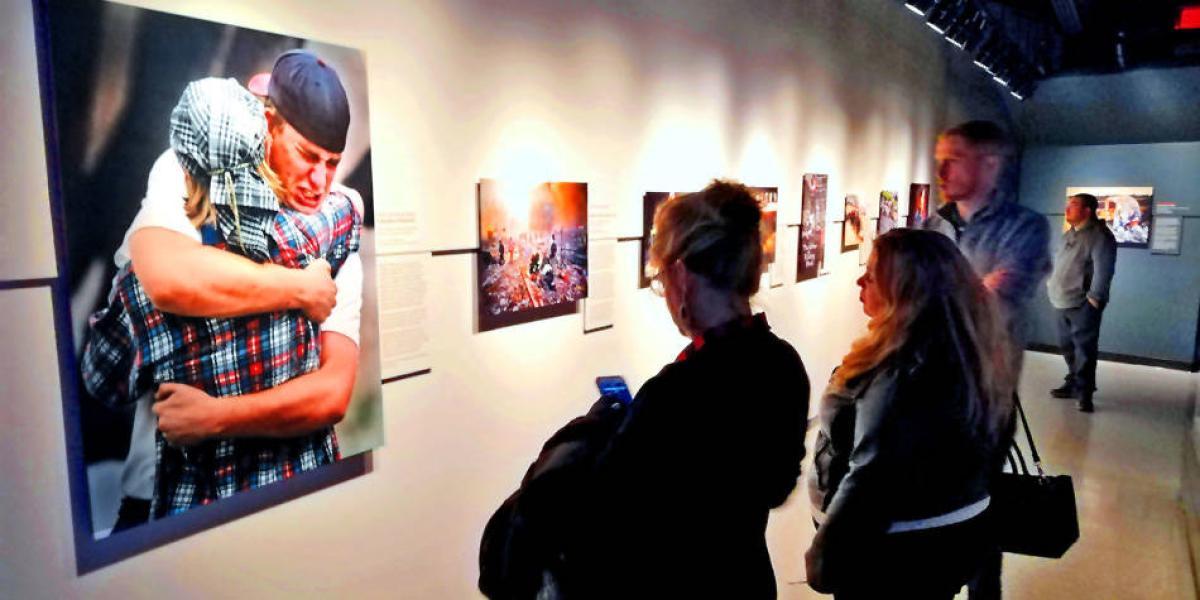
1083, 267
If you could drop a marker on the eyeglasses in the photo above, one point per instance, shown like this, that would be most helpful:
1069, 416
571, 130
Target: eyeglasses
657, 284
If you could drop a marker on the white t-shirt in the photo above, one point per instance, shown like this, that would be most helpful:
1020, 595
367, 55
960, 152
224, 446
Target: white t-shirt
163, 206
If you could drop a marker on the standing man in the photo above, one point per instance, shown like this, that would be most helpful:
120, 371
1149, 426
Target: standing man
1083, 272
1007, 244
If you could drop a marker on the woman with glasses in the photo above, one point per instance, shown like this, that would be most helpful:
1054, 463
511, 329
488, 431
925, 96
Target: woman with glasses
668, 497
714, 441
913, 427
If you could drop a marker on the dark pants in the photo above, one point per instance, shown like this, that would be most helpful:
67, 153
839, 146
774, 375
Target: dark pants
1079, 338
926, 564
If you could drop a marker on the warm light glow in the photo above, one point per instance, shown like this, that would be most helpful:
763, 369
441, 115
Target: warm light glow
759, 163
526, 152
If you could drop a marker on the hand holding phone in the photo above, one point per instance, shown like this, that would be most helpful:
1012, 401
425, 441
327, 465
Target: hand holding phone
613, 386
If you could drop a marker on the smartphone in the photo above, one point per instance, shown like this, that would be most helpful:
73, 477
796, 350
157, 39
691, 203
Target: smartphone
614, 386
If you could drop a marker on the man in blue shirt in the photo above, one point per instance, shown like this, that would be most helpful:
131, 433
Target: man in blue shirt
1083, 272
1007, 244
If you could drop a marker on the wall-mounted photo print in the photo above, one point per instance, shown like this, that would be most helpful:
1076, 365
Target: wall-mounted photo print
852, 224
889, 212
650, 203
532, 251
1128, 212
190, 159
768, 201
810, 260
919, 207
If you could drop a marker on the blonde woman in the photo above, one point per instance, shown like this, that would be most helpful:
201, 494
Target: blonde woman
913, 427
669, 497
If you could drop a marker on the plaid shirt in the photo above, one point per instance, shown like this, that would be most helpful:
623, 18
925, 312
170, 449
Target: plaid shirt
223, 357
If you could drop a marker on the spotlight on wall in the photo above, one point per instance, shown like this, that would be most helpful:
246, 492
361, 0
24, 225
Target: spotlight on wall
919, 6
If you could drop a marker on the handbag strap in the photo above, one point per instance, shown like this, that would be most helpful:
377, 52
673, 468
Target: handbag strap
1037, 460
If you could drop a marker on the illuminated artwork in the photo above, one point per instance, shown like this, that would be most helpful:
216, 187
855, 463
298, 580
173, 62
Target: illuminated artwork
650, 203
811, 255
768, 201
1128, 212
918, 205
889, 211
532, 251
852, 224
134, 97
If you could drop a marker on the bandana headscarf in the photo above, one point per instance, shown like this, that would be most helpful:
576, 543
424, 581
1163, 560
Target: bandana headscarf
217, 132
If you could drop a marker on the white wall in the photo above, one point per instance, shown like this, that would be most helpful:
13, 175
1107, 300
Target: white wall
626, 96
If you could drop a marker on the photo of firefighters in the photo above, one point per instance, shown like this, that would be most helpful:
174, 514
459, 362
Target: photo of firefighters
811, 259
532, 251
214, 184
1128, 212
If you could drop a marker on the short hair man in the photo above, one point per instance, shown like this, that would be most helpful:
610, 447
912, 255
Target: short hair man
1078, 287
1007, 244
307, 120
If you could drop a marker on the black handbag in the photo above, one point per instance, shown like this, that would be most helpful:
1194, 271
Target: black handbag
1033, 514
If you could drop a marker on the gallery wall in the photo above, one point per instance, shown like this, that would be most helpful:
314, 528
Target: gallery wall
1153, 310
627, 96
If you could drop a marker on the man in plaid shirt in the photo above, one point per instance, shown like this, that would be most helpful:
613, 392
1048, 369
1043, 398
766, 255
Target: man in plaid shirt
279, 420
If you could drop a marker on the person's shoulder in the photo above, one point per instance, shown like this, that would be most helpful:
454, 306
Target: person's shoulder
1024, 218
351, 195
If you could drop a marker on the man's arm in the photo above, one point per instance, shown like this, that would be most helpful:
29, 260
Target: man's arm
1025, 264
185, 277
187, 415
1104, 263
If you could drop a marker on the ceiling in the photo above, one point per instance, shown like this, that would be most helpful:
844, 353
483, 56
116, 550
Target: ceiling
1066, 37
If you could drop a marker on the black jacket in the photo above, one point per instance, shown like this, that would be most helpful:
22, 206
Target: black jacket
897, 444
674, 501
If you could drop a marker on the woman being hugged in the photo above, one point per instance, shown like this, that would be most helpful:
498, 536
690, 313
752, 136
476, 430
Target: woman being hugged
914, 427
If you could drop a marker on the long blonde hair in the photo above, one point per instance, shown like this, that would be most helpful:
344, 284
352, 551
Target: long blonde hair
928, 288
199, 207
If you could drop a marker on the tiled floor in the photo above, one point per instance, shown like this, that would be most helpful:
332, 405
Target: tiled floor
1126, 461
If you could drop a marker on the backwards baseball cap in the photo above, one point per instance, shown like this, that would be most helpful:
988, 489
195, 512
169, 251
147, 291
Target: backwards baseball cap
309, 96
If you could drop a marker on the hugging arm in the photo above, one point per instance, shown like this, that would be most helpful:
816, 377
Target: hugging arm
187, 415
184, 277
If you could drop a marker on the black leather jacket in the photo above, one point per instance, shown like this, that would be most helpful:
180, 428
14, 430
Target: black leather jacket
670, 497
897, 444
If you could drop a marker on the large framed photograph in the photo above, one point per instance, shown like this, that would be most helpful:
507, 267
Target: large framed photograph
1128, 212
810, 260
852, 224
532, 251
196, 184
